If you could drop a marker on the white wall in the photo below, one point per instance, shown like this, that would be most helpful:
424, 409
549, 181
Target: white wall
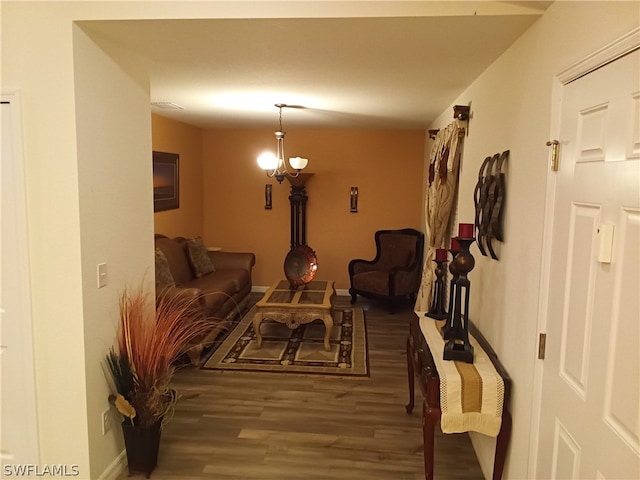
87, 135
511, 110
40, 65
116, 208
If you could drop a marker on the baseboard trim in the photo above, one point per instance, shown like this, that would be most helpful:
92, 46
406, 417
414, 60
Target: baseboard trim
116, 467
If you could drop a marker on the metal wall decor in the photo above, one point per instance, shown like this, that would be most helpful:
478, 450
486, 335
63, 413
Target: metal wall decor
354, 200
267, 196
489, 198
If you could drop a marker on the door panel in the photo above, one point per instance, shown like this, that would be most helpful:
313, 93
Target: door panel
622, 400
566, 453
580, 279
589, 422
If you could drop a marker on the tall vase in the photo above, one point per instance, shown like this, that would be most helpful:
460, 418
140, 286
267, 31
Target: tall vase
142, 445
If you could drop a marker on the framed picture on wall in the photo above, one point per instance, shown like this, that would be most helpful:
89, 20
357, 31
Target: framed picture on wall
166, 181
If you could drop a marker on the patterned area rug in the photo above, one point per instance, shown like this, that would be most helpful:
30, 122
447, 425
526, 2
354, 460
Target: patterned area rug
296, 351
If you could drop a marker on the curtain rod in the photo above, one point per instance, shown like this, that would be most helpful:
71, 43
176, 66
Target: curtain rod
460, 112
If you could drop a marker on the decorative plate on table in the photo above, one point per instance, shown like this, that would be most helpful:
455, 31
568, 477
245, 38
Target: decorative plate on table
300, 265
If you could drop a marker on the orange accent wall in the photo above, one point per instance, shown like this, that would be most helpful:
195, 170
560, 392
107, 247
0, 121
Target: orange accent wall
186, 140
385, 165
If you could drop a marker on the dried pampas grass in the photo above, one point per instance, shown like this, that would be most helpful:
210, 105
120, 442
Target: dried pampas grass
149, 340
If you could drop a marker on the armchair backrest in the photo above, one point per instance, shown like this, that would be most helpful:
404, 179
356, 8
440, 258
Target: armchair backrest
399, 248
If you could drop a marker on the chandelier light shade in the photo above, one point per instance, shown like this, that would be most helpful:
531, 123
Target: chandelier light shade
298, 163
275, 165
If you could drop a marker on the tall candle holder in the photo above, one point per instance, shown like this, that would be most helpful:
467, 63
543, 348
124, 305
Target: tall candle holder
437, 310
458, 346
448, 326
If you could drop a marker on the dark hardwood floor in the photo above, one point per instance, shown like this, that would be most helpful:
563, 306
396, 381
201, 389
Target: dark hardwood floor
264, 426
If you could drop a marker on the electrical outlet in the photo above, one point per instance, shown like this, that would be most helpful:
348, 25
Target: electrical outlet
106, 421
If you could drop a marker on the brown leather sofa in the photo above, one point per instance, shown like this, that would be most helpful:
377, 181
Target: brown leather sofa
222, 294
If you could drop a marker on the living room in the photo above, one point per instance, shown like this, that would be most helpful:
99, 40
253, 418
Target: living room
221, 182
88, 134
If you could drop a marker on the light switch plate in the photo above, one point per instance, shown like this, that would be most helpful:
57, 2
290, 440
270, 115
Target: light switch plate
102, 275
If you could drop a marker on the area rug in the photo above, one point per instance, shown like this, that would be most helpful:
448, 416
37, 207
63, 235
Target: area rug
296, 351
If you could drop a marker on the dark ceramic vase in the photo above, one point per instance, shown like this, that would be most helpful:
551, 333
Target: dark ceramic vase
142, 445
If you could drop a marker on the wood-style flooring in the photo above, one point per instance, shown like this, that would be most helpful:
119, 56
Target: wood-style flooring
274, 426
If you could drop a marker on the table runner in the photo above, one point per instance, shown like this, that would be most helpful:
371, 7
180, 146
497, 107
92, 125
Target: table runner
471, 395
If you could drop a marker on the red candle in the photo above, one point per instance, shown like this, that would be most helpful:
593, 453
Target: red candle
465, 230
455, 246
441, 255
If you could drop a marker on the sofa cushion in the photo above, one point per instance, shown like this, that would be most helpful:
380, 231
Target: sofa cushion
220, 281
164, 279
198, 257
239, 277
217, 287
177, 257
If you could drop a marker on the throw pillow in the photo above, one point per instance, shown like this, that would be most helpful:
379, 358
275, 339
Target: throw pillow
199, 258
164, 278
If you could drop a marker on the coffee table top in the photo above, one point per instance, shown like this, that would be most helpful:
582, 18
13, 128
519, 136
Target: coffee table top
313, 294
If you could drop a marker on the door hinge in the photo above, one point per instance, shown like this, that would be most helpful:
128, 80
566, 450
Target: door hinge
555, 152
542, 346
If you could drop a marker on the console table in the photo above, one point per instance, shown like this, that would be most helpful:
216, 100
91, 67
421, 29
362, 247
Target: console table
296, 306
420, 364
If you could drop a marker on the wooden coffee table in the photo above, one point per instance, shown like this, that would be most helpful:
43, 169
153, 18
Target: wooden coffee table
297, 306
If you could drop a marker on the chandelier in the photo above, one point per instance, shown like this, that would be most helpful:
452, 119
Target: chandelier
275, 165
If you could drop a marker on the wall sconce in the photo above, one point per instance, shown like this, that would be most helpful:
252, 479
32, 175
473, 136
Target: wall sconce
267, 196
354, 199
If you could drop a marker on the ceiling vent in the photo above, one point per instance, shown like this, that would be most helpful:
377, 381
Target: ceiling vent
167, 105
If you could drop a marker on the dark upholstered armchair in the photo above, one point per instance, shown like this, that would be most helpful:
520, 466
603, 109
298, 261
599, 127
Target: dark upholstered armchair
396, 270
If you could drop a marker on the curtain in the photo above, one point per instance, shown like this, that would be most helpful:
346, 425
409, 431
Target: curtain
444, 161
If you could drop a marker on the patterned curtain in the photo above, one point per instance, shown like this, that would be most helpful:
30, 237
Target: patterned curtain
444, 161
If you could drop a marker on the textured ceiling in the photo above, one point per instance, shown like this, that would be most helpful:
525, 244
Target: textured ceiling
346, 72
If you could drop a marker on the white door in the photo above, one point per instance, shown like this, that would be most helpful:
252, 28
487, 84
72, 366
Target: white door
18, 423
589, 417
